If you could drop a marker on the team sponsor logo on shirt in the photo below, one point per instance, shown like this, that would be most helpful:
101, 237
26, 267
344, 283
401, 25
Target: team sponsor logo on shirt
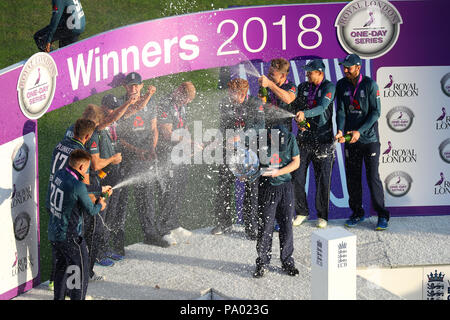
36, 85
138, 122
275, 159
93, 145
400, 119
368, 28
328, 95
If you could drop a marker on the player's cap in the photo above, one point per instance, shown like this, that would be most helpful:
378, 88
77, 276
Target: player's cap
351, 60
133, 78
313, 65
110, 101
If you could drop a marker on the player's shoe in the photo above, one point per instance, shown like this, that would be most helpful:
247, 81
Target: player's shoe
382, 224
181, 232
353, 221
51, 285
115, 256
291, 270
105, 262
259, 271
170, 239
321, 223
276, 227
159, 242
221, 229
96, 277
299, 220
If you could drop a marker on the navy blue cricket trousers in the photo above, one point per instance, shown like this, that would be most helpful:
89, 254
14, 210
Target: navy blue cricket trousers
275, 202
71, 268
355, 154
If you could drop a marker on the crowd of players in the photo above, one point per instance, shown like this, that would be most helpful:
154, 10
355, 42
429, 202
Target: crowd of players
133, 136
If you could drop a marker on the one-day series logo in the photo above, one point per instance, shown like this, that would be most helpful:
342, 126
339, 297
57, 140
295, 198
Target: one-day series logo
398, 183
444, 150
445, 84
400, 119
37, 84
369, 28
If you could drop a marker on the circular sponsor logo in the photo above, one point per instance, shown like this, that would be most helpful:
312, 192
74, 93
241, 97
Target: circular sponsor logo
36, 85
400, 118
21, 225
20, 156
445, 84
398, 183
368, 28
444, 150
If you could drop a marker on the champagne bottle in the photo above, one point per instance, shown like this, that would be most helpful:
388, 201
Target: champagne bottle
105, 195
347, 137
263, 94
303, 124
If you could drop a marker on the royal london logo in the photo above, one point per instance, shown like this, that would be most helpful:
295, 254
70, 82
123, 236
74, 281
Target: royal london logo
443, 121
392, 155
368, 28
21, 196
400, 119
394, 89
442, 186
398, 183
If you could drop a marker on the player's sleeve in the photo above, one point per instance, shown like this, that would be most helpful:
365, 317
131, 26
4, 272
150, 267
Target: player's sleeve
340, 110
93, 144
294, 146
57, 12
290, 87
86, 202
374, 108
327, 95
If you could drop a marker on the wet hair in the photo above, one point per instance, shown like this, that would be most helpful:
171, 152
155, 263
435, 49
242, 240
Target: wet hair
78, 156
93, 112
186, 90
280, 65
83, 127
238, 85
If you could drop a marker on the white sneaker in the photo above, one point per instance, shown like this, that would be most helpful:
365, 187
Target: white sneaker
170, 239
321, 223
182, 232
299, 220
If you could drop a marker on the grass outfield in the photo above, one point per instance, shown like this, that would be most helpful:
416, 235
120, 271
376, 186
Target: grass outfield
20, 19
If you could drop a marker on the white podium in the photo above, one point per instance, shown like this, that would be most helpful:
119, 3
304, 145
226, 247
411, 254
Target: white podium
333, 264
